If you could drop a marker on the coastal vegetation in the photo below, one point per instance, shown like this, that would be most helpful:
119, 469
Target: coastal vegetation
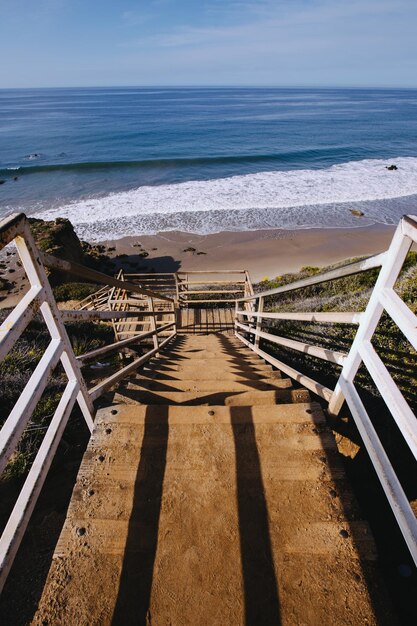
352, 294
15, 371
346, 294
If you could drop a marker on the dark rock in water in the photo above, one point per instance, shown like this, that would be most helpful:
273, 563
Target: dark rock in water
199, 253
189, 250
357, 213
391, 167
2, 182
16, 178
143, 254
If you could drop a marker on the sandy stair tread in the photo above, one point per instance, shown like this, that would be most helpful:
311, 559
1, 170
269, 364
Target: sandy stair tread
233, 510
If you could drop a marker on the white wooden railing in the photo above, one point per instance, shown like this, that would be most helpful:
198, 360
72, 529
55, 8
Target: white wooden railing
187, 288
40, 299
118, 300
212, 286
248, 328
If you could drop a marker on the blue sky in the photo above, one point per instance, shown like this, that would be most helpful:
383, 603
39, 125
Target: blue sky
208, 42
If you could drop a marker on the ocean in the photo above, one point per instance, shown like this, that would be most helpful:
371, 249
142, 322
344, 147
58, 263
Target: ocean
123, 161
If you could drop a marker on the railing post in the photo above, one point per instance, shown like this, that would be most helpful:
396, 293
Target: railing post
153, 325
259, 320
175, 312
177, 289
36, 274
250, 292
236, 318
390, 269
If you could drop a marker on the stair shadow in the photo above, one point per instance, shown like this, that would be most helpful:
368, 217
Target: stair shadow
351, 518
234, 368
277, 396
260, 585
356, 523
159, 385
132, 605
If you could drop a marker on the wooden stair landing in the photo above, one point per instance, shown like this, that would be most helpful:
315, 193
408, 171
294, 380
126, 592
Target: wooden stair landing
194, 320
211, 514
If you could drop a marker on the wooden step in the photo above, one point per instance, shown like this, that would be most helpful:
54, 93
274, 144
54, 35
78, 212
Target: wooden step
133, 394
220, 515
218, 364
206, 374
191, 355
263, 384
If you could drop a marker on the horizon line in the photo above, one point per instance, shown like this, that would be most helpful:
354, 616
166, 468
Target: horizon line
202, 86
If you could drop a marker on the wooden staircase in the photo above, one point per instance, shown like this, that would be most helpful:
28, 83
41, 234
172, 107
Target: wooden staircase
198, 321
212, 493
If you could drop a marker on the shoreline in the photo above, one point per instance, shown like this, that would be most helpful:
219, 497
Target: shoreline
264, 253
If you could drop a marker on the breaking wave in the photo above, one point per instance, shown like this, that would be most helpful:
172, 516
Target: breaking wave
272, 199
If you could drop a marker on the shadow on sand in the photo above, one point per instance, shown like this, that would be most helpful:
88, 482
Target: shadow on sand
136, 579
259, 578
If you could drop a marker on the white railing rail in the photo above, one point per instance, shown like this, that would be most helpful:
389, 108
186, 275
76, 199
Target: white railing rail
383, 298
39, 299
118, 300
199, 286
191, 287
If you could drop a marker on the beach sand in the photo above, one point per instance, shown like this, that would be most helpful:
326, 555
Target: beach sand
263, 252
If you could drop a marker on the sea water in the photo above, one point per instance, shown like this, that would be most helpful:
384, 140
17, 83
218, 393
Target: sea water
120, 161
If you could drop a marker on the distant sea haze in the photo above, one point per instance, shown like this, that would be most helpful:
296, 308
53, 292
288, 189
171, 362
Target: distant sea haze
129, 161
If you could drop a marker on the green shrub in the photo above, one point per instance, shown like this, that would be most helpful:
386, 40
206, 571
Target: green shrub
15, 371
74, 291
350, 293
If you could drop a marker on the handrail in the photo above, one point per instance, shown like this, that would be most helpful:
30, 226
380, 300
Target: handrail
179, 285
321, 353
39, 299
211, 272
112, 347
115, 305
85, 315
10, 227
213, 282
371, 262
319, 389
338, 318
383, 298
86, 272
101, 291
99, 389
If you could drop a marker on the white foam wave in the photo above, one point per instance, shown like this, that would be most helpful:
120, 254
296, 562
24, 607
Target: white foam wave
286, 193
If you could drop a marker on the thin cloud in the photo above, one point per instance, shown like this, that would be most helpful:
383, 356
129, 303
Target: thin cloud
272, 21
228, 42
